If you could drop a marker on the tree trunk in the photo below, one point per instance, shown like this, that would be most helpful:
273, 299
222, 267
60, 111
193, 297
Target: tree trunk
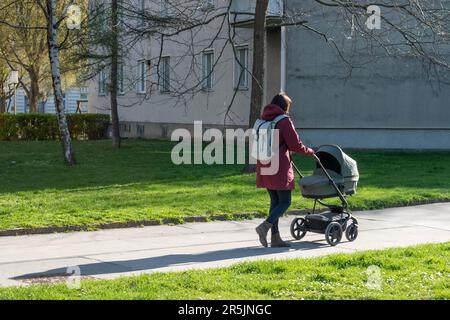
3, 96
34, 91
114, 72
259, 44
2, 104
53, 52
259, 48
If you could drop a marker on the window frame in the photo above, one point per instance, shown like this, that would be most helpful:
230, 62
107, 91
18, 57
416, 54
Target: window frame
142, 6
120, 79
142, 76
101, 82
163, 68
208, 5
164, 8
237, 81
208, 53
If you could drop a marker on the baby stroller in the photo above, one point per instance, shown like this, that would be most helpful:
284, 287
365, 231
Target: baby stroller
335, 175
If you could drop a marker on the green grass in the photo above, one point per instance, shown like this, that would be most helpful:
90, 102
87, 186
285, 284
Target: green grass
420, 272
139, 182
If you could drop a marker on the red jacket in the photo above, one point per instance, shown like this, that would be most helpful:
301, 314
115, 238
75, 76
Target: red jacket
289, 141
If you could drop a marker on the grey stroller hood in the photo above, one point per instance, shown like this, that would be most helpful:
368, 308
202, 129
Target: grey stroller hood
342, 169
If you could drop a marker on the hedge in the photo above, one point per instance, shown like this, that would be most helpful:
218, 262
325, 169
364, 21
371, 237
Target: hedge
41, 126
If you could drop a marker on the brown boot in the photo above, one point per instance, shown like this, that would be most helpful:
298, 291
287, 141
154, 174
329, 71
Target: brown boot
262, 230
277, 242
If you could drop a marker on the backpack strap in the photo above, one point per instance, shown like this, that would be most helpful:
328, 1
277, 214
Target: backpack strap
257, 129
279, 118
274, 121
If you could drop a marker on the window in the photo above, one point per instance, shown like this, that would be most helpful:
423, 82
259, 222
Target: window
126, 127
98, 15
26, 104
101, 82
142, 77
164, 71
140, 129
142, 11
207, 67
164, 10
83, 93
241, 68
121, 17
120, 80
207, 4
64, 100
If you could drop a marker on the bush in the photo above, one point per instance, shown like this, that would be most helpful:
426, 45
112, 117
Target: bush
41, 126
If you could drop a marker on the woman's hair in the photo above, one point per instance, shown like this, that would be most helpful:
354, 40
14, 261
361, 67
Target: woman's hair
282, 100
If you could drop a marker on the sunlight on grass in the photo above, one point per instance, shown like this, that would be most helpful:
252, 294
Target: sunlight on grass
139, 182
420, 272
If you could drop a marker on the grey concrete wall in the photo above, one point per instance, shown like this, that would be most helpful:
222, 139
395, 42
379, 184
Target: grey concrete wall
407, 139
157, 130
385, 103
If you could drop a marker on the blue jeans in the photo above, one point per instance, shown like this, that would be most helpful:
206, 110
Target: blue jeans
280, 200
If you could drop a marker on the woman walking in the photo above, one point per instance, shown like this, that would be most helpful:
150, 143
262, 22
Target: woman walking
280, 184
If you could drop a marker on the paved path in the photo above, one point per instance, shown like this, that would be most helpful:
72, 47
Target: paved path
112, 253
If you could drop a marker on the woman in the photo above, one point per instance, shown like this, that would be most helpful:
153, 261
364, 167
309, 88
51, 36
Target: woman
280, 184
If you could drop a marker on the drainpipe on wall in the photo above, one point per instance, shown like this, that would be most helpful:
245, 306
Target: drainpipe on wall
283, 59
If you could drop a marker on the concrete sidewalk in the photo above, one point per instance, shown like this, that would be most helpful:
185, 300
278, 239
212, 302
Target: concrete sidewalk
109, 254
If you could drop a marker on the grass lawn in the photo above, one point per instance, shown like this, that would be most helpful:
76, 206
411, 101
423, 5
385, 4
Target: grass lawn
139, 182
421, 272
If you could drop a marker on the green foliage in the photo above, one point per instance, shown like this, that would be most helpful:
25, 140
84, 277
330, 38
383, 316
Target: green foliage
41, 126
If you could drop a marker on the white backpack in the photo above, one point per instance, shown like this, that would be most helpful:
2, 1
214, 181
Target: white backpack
263, 136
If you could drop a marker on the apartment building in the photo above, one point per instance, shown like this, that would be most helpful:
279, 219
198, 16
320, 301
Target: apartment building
150, 99
391, 106
74, 101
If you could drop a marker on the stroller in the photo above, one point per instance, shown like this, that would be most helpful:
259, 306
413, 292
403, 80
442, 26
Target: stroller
335, 175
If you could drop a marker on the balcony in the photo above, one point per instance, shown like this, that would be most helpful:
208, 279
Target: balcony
244, 10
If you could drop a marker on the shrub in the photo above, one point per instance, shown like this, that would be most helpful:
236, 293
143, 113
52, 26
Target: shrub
41, 126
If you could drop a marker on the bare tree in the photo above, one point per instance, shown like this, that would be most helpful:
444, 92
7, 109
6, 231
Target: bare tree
100, 48
259, 64
114, 73
259, 61
5, 91
53, 23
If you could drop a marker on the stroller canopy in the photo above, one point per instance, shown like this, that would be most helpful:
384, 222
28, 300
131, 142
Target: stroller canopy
333, 158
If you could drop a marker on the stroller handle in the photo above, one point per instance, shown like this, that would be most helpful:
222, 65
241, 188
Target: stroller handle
296, 169
316, 158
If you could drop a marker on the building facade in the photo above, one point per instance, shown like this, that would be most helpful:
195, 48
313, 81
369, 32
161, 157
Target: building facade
388, 105
150, 103
74, 101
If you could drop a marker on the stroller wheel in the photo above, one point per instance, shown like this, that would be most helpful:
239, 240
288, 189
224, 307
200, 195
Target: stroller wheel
298, 228
352, 232
333, 233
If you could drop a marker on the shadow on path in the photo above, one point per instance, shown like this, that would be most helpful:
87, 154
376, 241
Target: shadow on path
151, 263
